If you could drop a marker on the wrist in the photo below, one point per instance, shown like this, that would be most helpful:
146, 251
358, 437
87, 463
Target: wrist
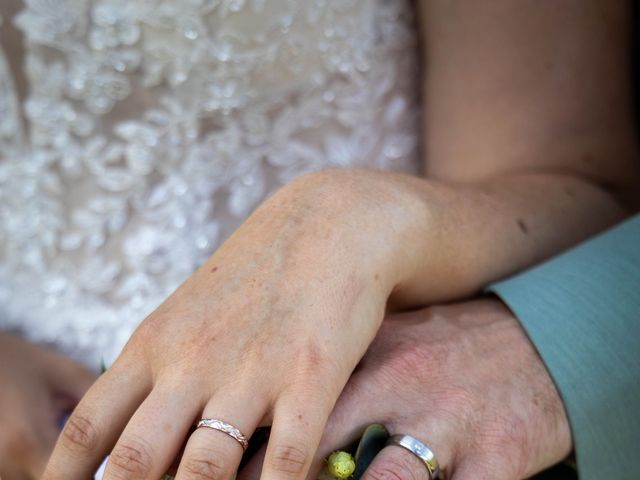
375, 220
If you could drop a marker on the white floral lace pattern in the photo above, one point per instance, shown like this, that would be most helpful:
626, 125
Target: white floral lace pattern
152, 128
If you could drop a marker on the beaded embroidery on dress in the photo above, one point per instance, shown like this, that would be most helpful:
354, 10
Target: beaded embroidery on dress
151, 128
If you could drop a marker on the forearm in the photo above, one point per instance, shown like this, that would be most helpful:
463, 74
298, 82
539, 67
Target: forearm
473, 234
529, 125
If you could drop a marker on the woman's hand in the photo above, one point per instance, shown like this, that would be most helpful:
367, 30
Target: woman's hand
269, 329
465, 380
38, 386
267, 332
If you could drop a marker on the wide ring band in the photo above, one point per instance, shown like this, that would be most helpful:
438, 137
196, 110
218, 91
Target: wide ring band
420, 450
224, 427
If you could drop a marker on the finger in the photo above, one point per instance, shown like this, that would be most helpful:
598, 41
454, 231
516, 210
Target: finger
253, 469
154, 435
297, 427
356, 408
66, 376
397, 463
478, 468
213, 454
97, 421
359, 406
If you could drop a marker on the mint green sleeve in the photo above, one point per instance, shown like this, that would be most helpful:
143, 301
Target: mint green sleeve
582, 312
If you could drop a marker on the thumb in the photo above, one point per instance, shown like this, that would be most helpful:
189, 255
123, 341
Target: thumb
39, 456
66, 376
27, 446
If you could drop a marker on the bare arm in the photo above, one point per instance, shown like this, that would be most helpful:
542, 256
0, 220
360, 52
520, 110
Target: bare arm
529, 138
530, 87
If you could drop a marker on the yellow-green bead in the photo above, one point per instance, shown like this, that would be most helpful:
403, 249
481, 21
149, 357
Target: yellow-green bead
341, 465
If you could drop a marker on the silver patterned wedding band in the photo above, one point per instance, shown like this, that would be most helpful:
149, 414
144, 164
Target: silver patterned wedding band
420, 450
224, 427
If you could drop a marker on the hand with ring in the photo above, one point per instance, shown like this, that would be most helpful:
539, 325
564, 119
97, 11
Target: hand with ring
269, 329
459, 385
266, 332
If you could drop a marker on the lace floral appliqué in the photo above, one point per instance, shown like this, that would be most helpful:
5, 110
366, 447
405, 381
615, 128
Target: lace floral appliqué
152, 128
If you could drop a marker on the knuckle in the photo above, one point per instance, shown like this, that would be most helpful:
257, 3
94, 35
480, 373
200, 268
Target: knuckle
143, 336
413, 357
313, 360
147, 330
203, 467
289, 459
80, 433
506, 434
393, 467
483, 467
451, 406
132, 458
456, 401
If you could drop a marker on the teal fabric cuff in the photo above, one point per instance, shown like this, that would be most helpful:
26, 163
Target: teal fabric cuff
582, 312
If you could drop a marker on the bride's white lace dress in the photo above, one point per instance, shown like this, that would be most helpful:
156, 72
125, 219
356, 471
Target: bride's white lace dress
135, 135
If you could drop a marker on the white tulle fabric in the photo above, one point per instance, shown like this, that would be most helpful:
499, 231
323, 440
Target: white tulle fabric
138, 134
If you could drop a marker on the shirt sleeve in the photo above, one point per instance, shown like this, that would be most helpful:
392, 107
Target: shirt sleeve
582, 312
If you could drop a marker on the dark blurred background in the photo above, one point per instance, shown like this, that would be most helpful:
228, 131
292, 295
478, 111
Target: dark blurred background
559, 472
